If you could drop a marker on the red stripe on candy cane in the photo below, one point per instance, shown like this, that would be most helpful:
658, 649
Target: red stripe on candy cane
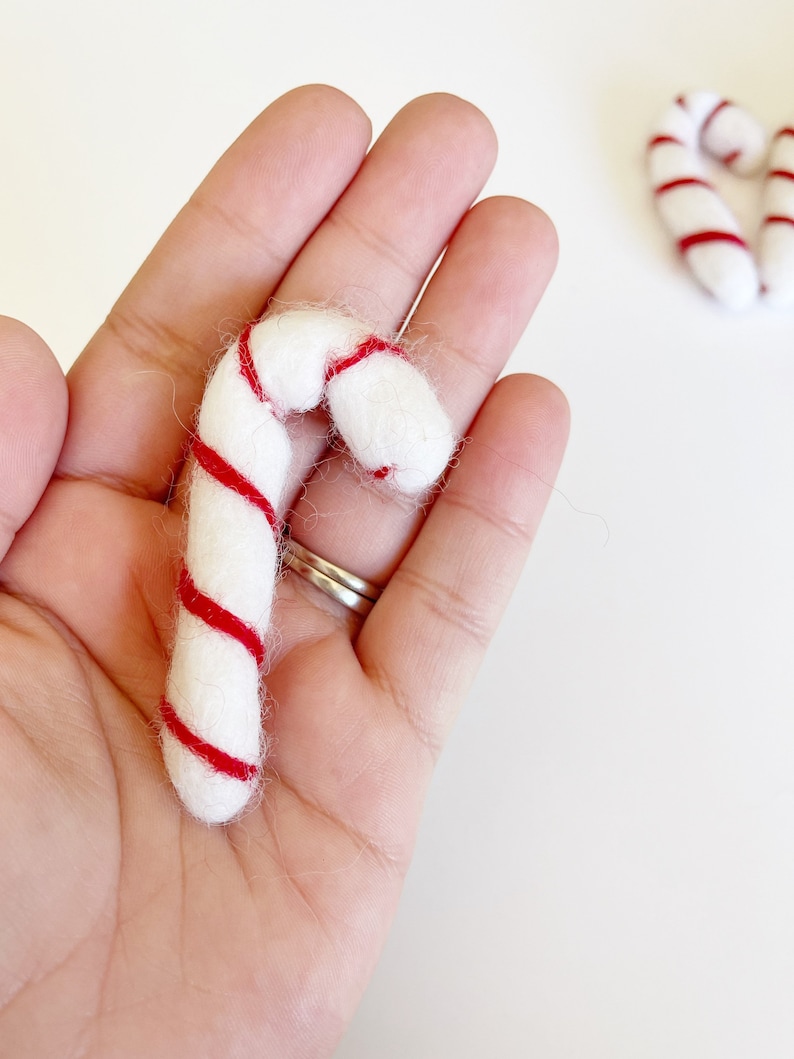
783, 174
217, 759
778, 219
731, 156
218, 617
723, 103
657, 141
222, 471
373, 344
247, 366
249, 372
682, 182
698, 238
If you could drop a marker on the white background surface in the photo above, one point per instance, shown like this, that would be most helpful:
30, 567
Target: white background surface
606, 865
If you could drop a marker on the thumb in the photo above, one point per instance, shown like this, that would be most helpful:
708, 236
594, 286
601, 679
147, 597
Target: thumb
33, 414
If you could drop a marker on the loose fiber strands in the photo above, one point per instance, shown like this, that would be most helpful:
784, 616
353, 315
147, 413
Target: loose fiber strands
704, 228
394, 427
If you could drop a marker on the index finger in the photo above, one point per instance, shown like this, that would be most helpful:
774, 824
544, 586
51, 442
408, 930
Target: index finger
134, 389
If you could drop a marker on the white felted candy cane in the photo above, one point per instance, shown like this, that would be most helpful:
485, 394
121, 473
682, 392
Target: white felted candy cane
394, 427
776, 239
705, 229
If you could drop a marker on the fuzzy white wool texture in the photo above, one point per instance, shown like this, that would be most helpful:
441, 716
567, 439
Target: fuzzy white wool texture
389, 417
696, 126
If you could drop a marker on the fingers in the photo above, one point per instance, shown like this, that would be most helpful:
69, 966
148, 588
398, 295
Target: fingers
33, 411
424, 641
358, 743
134, 389
375, 250
379, 243
481, 299
473, 312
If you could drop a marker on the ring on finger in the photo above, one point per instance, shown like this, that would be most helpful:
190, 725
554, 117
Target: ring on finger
346, 588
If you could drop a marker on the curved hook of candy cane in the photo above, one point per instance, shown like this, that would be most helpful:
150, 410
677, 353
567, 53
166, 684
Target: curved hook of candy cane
776, 238
211, 730
389, 417
705, 230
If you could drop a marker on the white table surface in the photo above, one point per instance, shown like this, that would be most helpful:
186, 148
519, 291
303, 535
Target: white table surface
606, 864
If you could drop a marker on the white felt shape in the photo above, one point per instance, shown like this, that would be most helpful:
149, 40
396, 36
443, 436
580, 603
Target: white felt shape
292, 350
225, 713
391, 419
776, 238
394, 426
704, 228
730, 134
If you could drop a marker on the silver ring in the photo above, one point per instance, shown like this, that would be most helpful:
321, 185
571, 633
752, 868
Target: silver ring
346, 588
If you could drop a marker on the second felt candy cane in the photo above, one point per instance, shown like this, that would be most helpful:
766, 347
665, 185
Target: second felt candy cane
704, 228
776, 240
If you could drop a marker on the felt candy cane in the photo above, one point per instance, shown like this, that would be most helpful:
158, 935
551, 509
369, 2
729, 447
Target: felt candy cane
705, 229
776, 238
394, 427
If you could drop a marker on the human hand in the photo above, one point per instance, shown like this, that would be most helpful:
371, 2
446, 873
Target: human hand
127, 927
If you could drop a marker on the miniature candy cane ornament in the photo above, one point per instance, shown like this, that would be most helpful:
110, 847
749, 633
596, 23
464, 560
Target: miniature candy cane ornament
776, 238
389, 417
705, 229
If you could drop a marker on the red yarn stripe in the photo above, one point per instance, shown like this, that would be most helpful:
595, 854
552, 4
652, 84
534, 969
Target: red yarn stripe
786, 174
778, 219
364, 349
217, 759
657, 140
222, 471
710, 237
683, 182
218, 617
729, 158
719, 107
247, 366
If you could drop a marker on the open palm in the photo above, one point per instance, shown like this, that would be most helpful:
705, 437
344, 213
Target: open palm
126, 927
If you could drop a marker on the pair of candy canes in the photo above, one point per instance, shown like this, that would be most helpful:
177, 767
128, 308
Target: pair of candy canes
705, 230
395, 428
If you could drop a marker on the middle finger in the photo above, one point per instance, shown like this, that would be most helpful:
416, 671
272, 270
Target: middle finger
471, 315
376, 246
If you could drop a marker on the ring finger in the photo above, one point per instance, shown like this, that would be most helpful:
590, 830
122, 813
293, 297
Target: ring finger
465, 326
